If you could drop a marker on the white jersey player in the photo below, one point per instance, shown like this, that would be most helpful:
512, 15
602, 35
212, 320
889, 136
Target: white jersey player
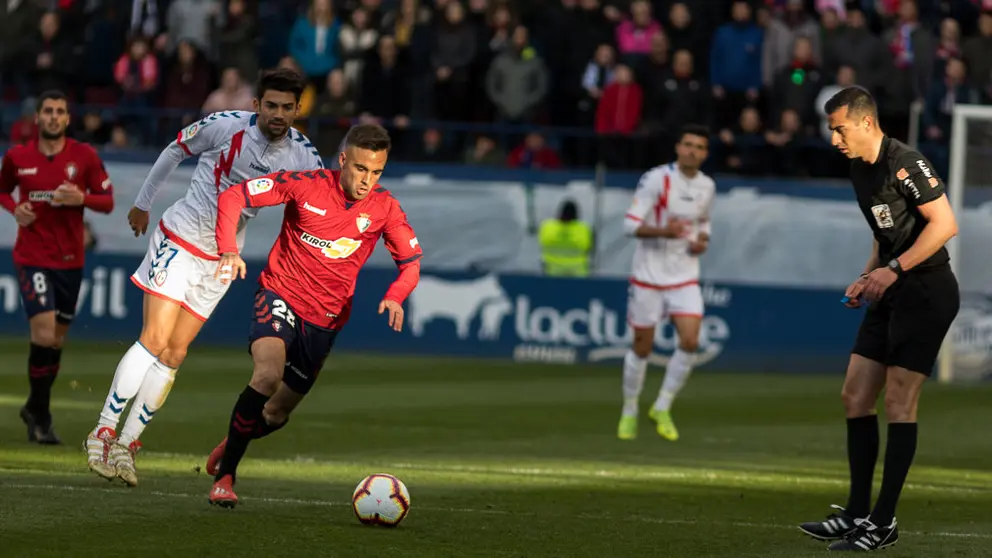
177, 273
670, 219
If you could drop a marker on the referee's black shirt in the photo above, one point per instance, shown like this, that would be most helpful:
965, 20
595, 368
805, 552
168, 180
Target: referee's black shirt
890, 192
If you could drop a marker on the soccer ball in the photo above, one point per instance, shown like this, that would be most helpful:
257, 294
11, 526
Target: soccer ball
381, 499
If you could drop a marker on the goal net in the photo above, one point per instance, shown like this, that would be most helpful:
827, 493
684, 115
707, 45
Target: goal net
967, 350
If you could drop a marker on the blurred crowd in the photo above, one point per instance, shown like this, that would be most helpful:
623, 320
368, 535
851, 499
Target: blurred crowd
578, 81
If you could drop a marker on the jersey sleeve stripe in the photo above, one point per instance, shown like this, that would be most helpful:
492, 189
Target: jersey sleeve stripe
179, 142
411, 259
633, 217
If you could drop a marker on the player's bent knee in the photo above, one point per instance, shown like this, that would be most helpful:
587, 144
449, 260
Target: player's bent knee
173, 356
153, 340
857, 401
275, 416
44, 337
689, 345
900, 406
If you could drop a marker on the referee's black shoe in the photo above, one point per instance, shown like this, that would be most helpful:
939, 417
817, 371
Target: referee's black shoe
867, 537
38, 432
837, 526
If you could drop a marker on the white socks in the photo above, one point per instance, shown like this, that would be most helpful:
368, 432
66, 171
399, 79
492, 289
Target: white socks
679, 368
130, 374
154, 390
633, 381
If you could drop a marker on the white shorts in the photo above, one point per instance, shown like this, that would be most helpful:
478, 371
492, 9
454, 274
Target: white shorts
647, 306
169, 271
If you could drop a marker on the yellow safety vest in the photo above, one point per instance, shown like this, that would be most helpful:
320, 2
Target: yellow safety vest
565, 247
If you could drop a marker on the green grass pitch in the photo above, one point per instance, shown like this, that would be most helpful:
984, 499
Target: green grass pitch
501, 459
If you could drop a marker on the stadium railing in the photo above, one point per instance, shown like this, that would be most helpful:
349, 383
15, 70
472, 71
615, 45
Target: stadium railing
577, 147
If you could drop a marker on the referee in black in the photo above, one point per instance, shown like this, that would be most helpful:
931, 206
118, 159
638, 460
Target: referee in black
912, 299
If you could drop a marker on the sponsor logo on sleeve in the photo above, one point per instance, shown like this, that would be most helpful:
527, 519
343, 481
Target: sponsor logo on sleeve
259, 186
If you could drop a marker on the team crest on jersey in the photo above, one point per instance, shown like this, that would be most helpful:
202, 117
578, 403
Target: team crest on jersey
364, 221
883, 216
70, 171
901, 174
260, 186
160, 277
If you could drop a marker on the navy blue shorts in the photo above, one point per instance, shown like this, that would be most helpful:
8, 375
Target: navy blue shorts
307, 345
44, 290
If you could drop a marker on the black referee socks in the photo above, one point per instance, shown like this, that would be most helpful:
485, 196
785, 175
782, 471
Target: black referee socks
862, 453
900, 449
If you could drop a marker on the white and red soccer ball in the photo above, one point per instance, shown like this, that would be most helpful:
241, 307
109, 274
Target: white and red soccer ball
381, 499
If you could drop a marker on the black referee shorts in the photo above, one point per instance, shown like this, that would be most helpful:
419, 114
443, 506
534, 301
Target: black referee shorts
907, 327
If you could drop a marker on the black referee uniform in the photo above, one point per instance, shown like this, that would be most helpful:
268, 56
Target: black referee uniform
907, 326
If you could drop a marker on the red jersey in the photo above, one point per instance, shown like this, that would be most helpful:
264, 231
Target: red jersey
324, 242
55, 238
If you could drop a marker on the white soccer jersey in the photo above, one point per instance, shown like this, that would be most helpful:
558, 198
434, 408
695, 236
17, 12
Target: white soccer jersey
663, 193
232, 149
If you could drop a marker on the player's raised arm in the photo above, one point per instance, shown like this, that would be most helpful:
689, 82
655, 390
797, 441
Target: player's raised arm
402, 243
8, 181
271, 189
191, 141
99, 194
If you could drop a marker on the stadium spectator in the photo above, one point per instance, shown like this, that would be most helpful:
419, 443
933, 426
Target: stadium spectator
846, 77
383, 75
94, 130
47, 57
356, 41
235, 40
619, 115
677, 99
788, 137
913, 50
533, 153
599, 74
684, 33
401, 22
517, 81
977, 53
857, 47
745, 148
781, 35
307, 99
452, 55
25, 128
137, 74
634, 33
432, 148
796, 85
948, 46
193, 21
18, 22
313, 41
484, 153
939, 110
233, 94
735, 64
187, 83
337, 105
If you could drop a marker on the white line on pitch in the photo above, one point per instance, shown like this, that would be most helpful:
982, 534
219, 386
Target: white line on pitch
324, 503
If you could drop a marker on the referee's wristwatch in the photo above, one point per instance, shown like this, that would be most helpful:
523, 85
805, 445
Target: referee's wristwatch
894, 266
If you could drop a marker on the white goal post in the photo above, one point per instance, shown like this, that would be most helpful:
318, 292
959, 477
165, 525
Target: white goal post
963, 116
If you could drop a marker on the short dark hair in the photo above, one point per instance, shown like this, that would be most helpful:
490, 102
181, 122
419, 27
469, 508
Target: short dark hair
51, 95
368, 136
857, 100
694, 130
281, 79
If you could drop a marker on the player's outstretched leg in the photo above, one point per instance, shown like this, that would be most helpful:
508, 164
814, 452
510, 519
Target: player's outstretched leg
130, 373
862, 385
677, 373
155, 389
635, 365
246, 423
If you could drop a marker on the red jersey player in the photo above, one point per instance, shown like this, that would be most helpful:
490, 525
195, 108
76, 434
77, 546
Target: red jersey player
56, 179
332, 222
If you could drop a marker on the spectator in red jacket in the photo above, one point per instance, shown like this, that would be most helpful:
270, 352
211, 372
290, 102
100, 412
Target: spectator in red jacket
619, 110
533, 153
